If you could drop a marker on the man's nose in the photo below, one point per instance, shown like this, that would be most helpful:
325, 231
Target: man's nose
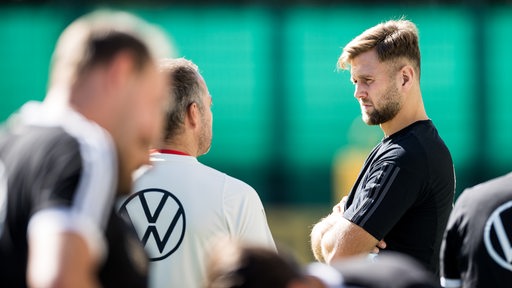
359, 91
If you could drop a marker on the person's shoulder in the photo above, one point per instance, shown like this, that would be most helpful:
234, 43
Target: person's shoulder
417, 131
234, 188
499, 183
44, 133
421, 140
492, 189
57, 136
426, 133
238, 184
213, 172
36, 152
230, 180
40, 139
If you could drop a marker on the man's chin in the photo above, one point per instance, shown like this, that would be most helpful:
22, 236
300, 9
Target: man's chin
369, 121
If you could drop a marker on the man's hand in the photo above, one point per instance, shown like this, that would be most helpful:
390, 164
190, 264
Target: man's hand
335, 237
381, 245
340, 207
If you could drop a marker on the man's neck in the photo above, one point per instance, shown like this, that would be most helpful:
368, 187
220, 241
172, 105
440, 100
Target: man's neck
181, 148
413, 110
403, 120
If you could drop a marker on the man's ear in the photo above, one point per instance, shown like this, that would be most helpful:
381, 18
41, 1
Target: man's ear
193, 114
407, 74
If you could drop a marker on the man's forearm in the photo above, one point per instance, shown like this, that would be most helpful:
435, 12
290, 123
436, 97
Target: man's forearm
321, 233
335, 237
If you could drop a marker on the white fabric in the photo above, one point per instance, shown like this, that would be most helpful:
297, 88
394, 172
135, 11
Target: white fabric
48, 223
214, 204
329, 276
451, 283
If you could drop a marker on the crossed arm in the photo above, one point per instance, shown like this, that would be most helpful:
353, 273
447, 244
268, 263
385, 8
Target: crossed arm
334, 237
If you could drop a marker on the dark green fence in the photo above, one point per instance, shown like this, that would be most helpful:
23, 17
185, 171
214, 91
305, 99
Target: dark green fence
282, 112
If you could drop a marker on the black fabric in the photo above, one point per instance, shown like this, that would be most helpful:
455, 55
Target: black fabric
478, 214
126, 265
404, 193
33, 163
43, 167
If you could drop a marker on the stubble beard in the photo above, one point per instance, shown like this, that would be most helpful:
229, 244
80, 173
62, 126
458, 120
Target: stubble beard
392, 106
205, 138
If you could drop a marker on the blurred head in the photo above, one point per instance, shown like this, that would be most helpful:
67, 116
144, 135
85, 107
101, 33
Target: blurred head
105, 62
381, 60
233, 264
97, 38
187, 93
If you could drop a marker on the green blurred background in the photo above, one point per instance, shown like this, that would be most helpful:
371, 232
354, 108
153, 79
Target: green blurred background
285, 120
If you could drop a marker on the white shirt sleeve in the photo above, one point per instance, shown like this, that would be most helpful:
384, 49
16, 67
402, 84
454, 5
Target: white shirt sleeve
245, 214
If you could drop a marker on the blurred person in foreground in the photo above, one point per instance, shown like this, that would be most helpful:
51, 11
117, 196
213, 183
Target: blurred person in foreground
476, 249
404, 193
63, 161
232, 263
388, 270
179, 205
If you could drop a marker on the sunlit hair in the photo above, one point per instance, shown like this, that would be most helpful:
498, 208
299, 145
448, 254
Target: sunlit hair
393, 41
97, 38
185, 88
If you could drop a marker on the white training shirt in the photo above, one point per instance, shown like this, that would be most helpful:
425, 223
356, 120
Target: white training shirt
179, 206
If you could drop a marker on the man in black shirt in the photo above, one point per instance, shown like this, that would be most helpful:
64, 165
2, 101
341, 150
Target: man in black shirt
63, 161
404, 192
476, 249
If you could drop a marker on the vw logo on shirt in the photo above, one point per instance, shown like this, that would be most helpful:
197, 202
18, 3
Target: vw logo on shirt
159, 220
498, 235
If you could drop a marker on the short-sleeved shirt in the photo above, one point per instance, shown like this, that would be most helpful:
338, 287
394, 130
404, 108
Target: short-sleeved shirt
180, 207
404, 192
477, 249
58, 173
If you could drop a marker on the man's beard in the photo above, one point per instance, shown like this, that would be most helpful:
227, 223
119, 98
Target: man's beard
392, 106
205, 138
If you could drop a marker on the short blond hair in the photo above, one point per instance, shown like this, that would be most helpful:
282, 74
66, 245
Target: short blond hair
96, 38
393, 40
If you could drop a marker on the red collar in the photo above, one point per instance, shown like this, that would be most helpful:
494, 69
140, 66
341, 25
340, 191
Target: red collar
170, 151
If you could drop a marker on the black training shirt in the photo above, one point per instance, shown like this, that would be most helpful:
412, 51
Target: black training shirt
404, 192
58, 173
